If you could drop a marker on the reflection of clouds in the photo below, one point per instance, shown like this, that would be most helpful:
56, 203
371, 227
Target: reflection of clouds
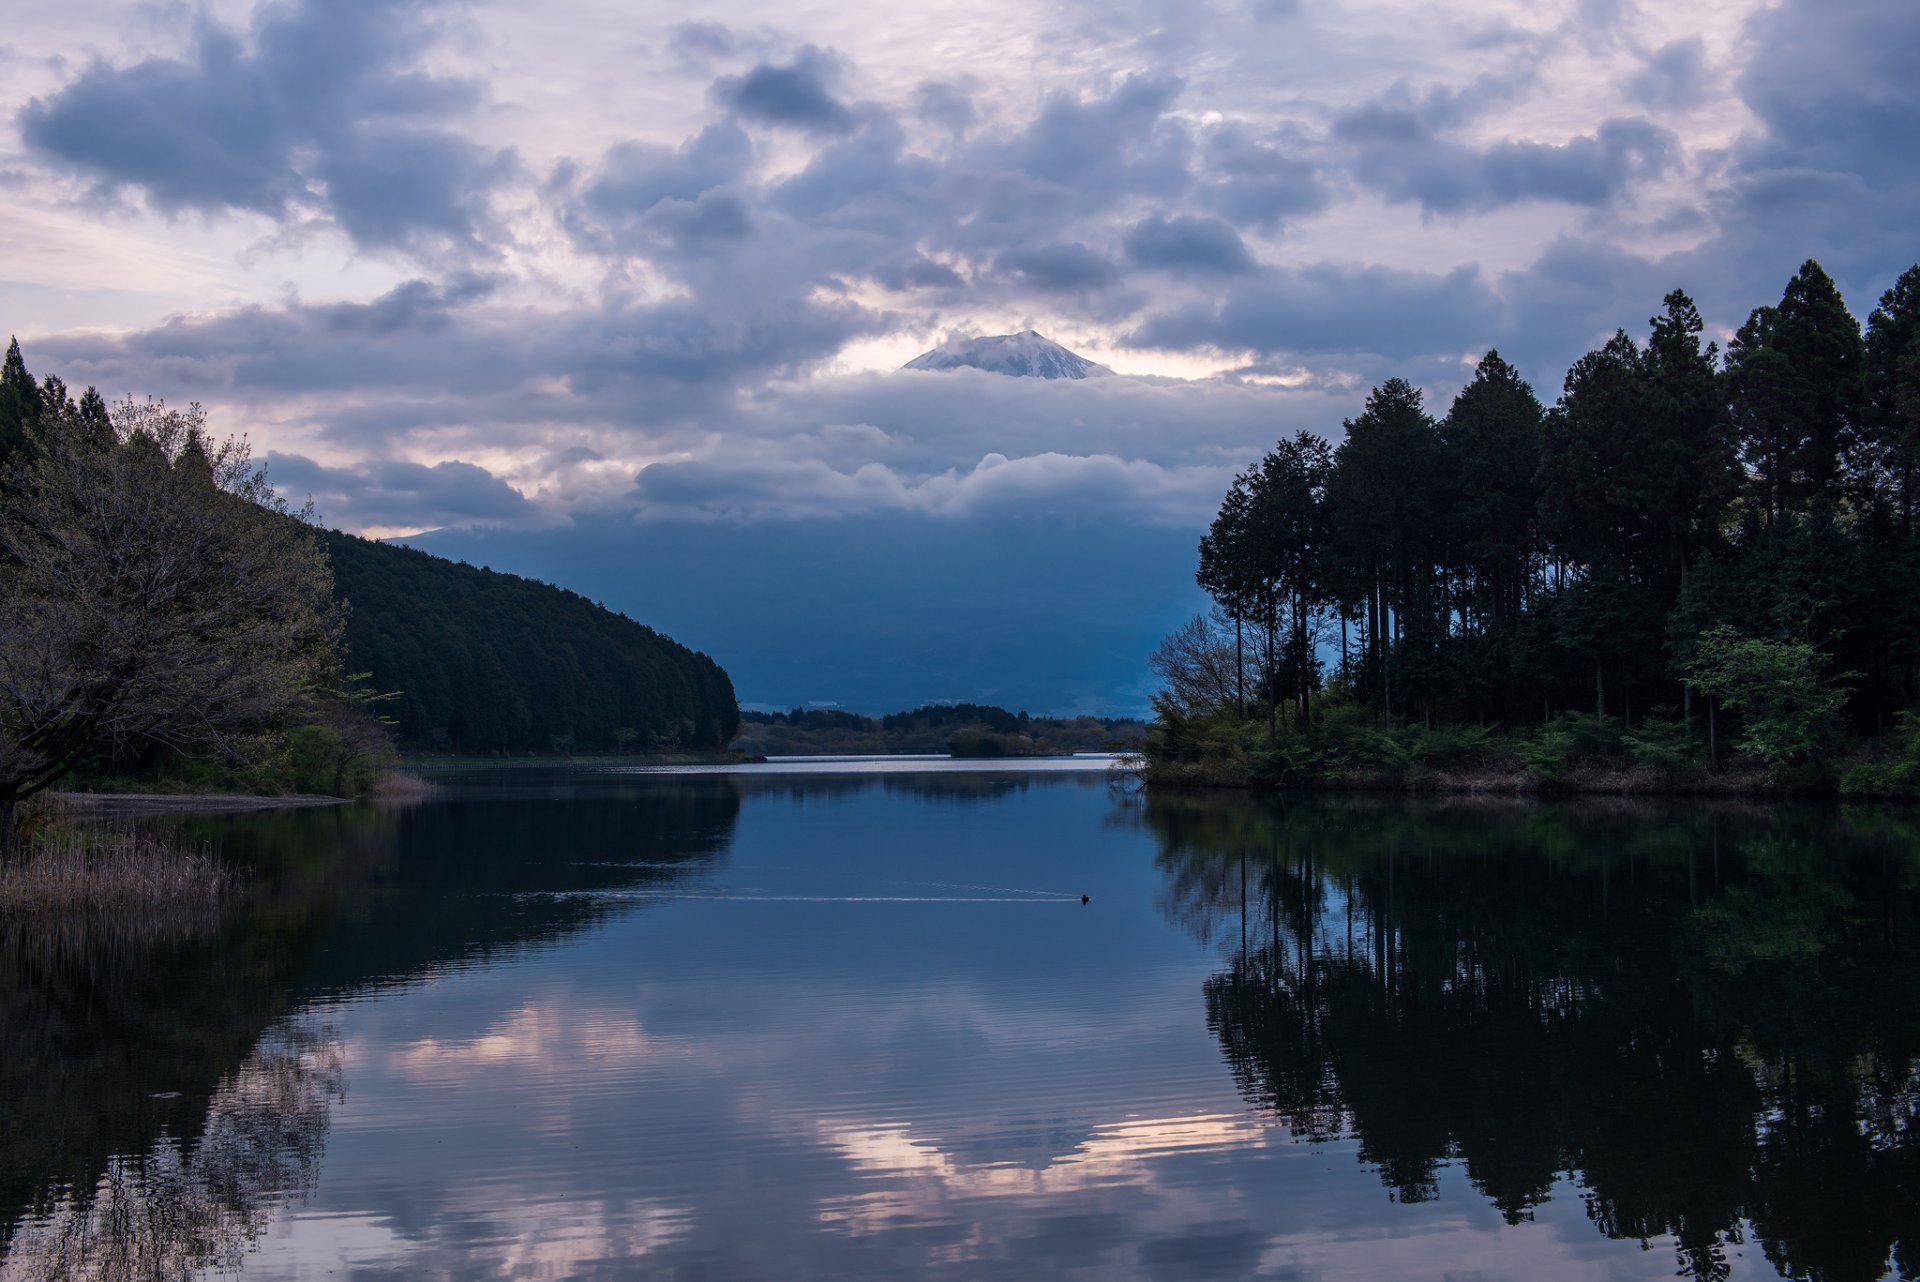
178, 1209
924, 1177
535, 1239
532, 1034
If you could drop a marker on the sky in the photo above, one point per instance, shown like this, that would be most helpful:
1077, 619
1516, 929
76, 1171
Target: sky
617, 296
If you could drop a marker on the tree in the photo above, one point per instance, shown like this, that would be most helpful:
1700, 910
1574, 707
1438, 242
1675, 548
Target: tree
153, 592
1779, 687
1794, 384
1492, 436
19, 403
1381, 512
1200, 668
1891, 394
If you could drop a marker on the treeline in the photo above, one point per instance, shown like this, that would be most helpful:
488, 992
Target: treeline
961, 729
1723, 541
488, 663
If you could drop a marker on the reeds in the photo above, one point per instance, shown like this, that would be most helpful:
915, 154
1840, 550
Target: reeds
110, 872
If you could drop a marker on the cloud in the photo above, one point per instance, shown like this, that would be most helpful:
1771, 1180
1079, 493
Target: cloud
794, 94
1036, 486
1398, 155
396, 493
318, 107
1330, 308
1674, 75
947, 105
1254, 182
640, 193
1187, 245
1059, 268
1829, 169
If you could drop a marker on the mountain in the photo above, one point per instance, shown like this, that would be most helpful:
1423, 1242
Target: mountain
1026, 355
494, 663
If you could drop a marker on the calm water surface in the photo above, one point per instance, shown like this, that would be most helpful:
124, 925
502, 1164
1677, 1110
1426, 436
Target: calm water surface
850, 1019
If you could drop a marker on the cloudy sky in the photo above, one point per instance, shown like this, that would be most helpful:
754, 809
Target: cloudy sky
605, 293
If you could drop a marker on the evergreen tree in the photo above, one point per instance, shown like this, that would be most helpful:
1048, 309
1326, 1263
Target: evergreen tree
1794, 378
1382, 512
19, 404
1491, 437
1891, 395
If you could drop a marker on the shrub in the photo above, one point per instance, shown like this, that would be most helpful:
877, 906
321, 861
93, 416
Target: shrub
1570, 738
1666, 745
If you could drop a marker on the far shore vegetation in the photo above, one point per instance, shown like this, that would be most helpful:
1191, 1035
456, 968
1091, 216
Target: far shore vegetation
1695, 572
970, 730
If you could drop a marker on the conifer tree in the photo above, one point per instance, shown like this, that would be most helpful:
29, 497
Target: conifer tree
19, 404
1491, 436
1794, 380
1891, 395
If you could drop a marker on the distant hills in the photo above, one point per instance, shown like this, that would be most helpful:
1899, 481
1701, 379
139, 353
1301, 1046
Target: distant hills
1023, 355
493, 663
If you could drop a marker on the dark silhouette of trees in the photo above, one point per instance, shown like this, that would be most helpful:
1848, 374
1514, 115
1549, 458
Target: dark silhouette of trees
1509, 561
489, 663
1699, 1019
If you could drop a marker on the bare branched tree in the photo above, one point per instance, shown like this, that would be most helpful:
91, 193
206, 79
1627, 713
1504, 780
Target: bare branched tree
153, 592
1200, 666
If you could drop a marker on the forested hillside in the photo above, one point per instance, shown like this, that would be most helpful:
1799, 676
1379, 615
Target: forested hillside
494, 663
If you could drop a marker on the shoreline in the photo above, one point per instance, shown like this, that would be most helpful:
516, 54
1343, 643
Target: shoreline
1743, 785
94, 804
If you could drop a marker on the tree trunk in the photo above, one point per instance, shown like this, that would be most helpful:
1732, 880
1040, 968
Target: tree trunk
1239, 670
1599, 689
9, 836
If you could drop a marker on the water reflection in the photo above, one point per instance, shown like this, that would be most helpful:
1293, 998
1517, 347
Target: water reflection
1706, 1018
142, 1067
734, 1026
195, 1202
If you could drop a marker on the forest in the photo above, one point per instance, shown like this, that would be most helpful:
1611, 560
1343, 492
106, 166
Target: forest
490, 663
958, 729
1693, 559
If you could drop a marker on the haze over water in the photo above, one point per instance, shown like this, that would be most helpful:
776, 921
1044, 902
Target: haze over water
846, 1019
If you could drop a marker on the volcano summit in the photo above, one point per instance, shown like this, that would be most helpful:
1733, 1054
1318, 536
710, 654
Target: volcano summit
1024, 355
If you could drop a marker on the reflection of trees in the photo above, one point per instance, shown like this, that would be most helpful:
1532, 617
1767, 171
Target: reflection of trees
187, 1205
116, 1047
1706, 1019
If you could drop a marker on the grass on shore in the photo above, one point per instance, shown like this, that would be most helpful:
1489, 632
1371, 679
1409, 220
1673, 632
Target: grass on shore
111, 873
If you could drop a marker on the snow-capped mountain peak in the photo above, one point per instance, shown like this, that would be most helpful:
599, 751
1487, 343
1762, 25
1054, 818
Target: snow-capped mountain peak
1027, 355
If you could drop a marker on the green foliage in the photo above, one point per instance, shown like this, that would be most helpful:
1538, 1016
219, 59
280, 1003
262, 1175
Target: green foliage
929, 729
157, 596
1894, 774
1667, 745
493, 663
319, 759
980, 742
1788, 709
1570, 739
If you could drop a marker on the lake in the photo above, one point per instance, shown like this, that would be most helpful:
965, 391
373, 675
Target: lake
840, 1019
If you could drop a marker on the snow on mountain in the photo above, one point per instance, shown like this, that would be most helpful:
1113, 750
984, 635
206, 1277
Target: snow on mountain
1026, 355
